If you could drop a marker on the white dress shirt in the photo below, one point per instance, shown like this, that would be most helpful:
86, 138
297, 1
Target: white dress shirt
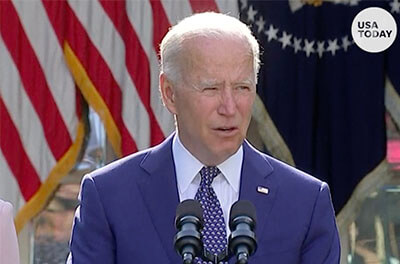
9, 253
226, 184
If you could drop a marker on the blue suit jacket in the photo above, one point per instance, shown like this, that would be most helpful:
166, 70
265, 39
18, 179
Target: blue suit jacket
127, 212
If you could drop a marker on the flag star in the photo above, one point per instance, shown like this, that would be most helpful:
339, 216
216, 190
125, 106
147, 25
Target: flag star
308, 47
332, 46
297, 44
320, 48
251, 14
243, 4
260, 24
395, 6
285, 39
345, 42
271, 33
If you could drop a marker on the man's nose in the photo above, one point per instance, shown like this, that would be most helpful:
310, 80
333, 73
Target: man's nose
227, 105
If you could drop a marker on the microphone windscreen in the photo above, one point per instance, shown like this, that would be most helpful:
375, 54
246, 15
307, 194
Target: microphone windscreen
189, 207
243, 208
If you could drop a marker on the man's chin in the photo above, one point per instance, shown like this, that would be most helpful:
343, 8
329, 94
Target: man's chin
224, 152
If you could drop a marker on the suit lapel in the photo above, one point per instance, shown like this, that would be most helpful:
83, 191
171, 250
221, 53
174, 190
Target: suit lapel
160, 193
257, 172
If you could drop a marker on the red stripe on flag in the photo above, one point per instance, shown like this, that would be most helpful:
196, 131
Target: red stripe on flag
59, 16
16, 157
136, 61
56, 12
199, 6
75, 34
34, 80
160, 23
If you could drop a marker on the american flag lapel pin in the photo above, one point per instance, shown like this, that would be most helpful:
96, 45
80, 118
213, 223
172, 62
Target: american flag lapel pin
262, 189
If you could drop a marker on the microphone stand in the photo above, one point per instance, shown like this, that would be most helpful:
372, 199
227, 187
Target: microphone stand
222, 256
216, 258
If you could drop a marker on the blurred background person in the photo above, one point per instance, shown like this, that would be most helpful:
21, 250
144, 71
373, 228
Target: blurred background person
9, 253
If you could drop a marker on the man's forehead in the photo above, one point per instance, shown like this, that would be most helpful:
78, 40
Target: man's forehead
201, 41
216, 82
212, 50
206, 61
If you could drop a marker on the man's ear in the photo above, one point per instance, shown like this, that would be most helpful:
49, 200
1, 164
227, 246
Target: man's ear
167, 93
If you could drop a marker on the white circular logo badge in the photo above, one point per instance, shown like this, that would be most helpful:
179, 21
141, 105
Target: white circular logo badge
374, 29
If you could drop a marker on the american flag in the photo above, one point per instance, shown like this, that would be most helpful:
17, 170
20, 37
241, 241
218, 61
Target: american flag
326, 97
53, 54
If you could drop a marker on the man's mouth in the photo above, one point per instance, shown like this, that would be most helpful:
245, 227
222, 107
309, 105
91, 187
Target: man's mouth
226, 129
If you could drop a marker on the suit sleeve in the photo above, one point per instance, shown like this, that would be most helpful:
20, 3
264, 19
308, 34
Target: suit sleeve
322, 244
92, 240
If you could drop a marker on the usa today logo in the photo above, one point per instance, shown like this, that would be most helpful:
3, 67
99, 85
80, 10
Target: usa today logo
374, 29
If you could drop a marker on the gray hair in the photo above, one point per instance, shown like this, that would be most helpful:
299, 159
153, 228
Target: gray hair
208, 24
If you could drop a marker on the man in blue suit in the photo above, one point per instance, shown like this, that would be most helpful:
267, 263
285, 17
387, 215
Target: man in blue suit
209, 65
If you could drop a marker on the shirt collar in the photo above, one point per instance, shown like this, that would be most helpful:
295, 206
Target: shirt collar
232, 169
187, 166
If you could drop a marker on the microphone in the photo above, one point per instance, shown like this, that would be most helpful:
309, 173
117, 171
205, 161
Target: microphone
188, 222
242, 222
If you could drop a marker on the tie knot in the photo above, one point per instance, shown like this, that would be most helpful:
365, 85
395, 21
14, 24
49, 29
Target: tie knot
208, 174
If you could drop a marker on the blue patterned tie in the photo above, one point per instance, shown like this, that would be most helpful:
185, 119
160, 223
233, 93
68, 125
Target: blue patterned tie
214, 231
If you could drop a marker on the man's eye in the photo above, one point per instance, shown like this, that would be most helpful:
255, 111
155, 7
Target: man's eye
211, 88
243, 88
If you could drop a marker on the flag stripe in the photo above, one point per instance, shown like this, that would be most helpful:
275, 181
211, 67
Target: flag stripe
32, 77
95, 69
141, 18
49, 53
136, 61
15, 155
228, 7
203, 6
160, 23
23, 115
94, 20
58, 15
177, 10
